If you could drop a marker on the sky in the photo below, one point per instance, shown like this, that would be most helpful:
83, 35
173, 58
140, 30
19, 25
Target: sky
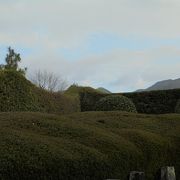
121, 45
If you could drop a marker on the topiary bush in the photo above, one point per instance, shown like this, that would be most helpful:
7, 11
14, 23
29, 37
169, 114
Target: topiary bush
16, 92
177, 108
115, 103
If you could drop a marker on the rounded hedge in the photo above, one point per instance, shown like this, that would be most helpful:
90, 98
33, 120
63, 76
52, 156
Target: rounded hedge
115, 103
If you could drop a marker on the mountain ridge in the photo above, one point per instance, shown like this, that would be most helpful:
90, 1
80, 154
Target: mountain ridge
163, 85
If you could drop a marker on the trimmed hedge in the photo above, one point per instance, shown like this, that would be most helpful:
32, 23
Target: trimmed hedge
19, 94
153, 102
87, 96
16, 92
115, 103
39, 146
177, 108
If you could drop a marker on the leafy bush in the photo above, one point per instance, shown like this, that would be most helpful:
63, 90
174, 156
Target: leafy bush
177, 108
56, 102
115, 103
16, 92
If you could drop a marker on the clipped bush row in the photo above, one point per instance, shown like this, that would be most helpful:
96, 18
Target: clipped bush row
177, 108
93, 100
153, 102
115, 103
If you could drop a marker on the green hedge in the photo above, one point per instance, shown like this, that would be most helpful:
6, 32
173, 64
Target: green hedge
87, 96
19, 94
16, 92
153, 102
115, 103
39, 146
177, 108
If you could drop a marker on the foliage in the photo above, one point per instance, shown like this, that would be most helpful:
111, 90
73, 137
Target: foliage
177, 108
77, 146
12, 60
115, 103
19, 94
16, 92
153, 102
87, 96
56, 102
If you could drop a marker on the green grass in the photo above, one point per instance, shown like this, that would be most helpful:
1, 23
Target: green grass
90, 145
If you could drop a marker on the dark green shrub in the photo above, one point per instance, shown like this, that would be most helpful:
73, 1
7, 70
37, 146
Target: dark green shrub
152, 102
87, 96
55, 102
40, 146
115, 103
19, 94
177, 108
16, 92
155, 102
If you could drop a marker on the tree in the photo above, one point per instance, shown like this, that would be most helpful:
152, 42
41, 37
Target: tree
12, 61
49, 81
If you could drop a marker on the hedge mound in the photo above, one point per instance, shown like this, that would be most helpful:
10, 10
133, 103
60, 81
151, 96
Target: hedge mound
87, 96
16, 93
115, 103
19, 94
79, 146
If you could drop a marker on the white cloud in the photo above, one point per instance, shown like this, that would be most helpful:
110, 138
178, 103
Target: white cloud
119, 70
48, 25
68, 21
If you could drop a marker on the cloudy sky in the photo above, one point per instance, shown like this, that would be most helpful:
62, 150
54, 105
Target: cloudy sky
122, 45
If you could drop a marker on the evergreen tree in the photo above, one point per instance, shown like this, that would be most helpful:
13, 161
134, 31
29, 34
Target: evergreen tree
12, 60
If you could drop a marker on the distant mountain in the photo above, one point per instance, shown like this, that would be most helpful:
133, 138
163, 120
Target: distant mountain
163, 85
103, 90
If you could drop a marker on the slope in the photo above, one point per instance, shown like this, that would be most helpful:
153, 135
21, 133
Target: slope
90, 145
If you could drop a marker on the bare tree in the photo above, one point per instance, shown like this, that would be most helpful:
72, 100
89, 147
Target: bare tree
49, 81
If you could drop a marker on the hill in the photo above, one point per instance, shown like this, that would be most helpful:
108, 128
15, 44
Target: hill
103, 90
19, 94
163, 85
90, 145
